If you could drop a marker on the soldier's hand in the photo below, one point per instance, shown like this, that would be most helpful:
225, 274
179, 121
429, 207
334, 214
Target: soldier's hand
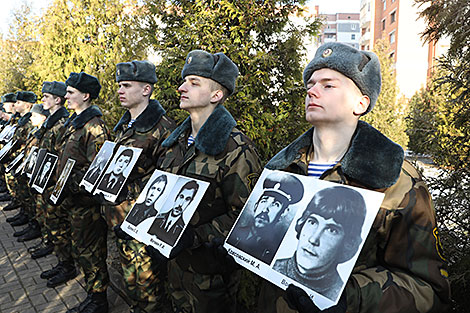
223, 258
155, 255
120, 233
186, 241
99, 199
298, 299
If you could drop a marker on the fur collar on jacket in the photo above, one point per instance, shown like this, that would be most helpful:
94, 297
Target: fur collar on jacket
372, 159
146, 120
54, 118
78, 121
24, 119
213, 135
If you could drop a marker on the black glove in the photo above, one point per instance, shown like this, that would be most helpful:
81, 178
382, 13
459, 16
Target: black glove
186, 241
298, 299
99, 199
226, 261
121, 234
155, 255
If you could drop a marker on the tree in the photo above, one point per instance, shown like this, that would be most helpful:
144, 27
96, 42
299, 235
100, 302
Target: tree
90, 36
388, 114
260, 37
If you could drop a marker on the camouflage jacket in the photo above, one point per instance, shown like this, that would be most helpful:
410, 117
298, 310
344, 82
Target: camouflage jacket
401, 267
49, 131
23, 132
80, 139
148, 131
227, 159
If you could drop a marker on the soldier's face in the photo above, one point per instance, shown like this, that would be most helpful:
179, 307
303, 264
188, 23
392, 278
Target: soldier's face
319, 241
154, 193
182, 201
49, 101
9, 107
121, 164
132, 93
75, 98
332, 99
37, 119
266, 211
22, 106
196, 93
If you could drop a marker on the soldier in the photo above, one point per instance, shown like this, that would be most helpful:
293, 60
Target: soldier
10, 117
54, 100
144, 125
84, 233
208, 146
400, 267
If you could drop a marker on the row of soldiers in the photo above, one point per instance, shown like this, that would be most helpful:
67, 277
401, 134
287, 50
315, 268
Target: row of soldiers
400, 269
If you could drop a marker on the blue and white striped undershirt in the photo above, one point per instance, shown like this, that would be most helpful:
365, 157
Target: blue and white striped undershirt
317, 169
129, 125
190, 140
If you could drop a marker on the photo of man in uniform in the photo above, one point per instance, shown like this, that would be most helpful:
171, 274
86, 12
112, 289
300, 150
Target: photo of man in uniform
262, 234
328, 233
168, 226
113, 180
146, 209
31, 162
96, 168
41, 179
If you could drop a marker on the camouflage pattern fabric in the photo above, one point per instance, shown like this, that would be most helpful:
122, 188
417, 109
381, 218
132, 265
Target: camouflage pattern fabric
144, 281
401, 267
84, 229
198, 282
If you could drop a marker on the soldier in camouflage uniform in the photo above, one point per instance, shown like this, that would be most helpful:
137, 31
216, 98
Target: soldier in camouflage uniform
144, 125
19, 186
400, 267
209, 147
81, 138
8, 101
53, 100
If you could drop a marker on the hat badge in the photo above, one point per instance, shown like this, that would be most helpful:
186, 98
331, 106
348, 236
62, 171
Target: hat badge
119, 72
190, 59
327, 53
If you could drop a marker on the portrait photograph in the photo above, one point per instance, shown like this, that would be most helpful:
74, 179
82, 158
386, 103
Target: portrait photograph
319, 247
98, 165
45, 172
11, 167
39, 157
64, 175
6, 149
7, 133
30, 161
117, 172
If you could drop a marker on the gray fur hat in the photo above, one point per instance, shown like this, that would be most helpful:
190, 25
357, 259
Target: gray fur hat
84, 83
9, 97
26, 96
38, 108
54, 88
217, 67
362, 67
141, 71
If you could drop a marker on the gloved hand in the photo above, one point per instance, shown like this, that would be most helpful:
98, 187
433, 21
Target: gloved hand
186, 241
99, 199
155, 255
226, 261
121, 234
298, 299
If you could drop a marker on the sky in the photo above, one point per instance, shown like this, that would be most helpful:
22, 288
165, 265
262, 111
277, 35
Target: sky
326, 6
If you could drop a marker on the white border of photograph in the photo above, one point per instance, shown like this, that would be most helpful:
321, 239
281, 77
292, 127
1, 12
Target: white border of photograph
53, 158
41, 155
56, 192
13, 163
107, 149
6, 148
288, 245
127, 171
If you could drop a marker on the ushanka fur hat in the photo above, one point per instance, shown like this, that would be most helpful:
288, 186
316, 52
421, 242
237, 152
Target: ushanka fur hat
26, 96
84, 83
217, 67
38, 108
141, 71
54, 88
9, 97
362, 67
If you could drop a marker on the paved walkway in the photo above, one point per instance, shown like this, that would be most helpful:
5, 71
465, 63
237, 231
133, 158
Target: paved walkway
21, 288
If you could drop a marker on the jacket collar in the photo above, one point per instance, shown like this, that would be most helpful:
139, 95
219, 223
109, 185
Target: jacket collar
78, 121
146, 120
372, 159
62, 112
213, 135
24, 119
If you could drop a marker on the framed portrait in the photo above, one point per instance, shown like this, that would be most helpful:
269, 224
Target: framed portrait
16, 162
41, 154
64, 175
30, 161
6, 148
98, 166
45, 171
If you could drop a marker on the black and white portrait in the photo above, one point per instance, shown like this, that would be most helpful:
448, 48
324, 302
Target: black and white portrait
260, 231
44, 172
328, 233
169, 224
98, 165
31, 161
146, 209
64, 175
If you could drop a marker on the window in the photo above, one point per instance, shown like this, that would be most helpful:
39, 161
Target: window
353, 37
392, 17
391, 36
383, 24
353, 26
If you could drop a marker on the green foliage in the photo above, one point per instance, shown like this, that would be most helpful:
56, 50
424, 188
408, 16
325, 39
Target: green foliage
261, 39
388, 114
90, 36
